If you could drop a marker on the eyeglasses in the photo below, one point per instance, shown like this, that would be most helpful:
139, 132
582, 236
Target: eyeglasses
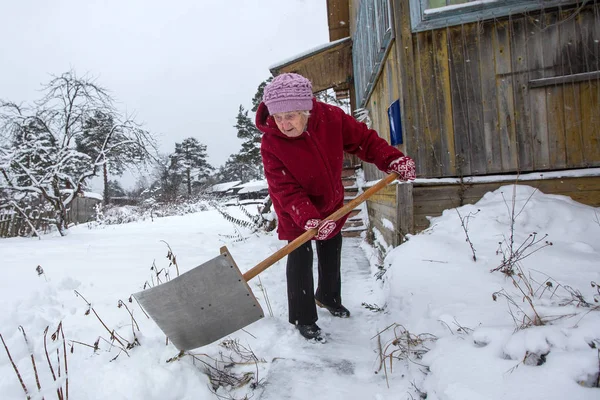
288, 117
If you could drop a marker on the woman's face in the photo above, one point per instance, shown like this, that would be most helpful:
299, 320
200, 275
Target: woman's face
292, 123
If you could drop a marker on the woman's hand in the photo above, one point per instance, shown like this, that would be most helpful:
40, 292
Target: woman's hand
324, 230
404, 167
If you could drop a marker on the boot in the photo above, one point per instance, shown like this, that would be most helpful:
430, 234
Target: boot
310, 332
337, 311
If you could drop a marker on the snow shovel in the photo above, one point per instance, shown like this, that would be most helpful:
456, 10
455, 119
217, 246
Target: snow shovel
214, 300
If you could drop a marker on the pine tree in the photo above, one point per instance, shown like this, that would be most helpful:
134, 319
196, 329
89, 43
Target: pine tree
247, 164
259, 94
237, 169
190, 160
250, 152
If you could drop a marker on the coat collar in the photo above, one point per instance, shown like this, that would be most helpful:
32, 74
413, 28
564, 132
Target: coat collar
266, 123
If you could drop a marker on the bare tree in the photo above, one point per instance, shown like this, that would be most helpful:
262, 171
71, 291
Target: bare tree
39, 156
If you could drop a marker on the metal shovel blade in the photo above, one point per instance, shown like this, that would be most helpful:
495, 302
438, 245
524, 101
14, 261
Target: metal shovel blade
202, 305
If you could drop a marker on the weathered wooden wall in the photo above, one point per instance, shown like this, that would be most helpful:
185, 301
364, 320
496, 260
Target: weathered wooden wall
479, 99
382, 205
511, 95
432, 199
82, 209
408, 206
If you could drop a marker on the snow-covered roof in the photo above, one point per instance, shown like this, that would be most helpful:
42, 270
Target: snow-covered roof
253, 186
225, 186
511, 178
92, 195
307, 53
88, 195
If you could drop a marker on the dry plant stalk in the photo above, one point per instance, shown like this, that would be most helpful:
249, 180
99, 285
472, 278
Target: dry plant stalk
512, 256
37, 378
90, 308
404, 346
464, 222
171, 257
15, 368
263, 289
220, 370
114, 335
56, 335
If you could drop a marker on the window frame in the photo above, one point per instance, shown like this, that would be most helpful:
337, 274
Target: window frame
370, 45
422, 19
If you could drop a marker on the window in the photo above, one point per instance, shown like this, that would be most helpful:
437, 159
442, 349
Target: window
371, 41
431, 14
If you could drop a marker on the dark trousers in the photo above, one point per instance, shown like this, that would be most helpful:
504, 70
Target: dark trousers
300, 285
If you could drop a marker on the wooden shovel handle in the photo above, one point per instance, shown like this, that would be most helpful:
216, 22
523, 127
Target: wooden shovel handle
306, 236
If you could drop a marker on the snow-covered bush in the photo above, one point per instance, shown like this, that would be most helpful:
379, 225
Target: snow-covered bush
112, 215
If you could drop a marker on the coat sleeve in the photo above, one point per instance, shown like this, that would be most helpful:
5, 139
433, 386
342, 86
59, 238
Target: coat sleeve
366, 143
286, 191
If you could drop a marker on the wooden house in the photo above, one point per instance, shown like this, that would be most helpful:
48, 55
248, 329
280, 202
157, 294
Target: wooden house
477, 92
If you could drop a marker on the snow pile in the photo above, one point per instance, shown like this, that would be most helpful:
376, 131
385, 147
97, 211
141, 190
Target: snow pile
532, 334
424, 319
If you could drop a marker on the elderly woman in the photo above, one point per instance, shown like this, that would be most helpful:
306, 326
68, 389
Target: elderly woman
302, 149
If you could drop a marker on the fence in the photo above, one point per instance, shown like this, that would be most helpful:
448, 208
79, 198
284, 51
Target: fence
13, 224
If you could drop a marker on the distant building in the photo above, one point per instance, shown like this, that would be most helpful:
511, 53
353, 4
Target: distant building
253, 190
224, 189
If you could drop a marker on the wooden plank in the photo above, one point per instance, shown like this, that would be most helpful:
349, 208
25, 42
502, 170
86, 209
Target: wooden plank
588, 198
441, 69
437, 193
571, 96
405, 209
471, 39
489, 97
563, 185
571, 78
573, 137
434, 207
557, 150
433, 200
521, 93
590, 89
590, 122
392, 76
423, 164
405, 52
386, 196
557, 145
427, 106
459, 100
538, 62
422, 222
504, 90
595, 23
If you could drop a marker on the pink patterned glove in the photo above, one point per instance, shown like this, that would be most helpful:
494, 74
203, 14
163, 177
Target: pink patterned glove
404, 167
324, 231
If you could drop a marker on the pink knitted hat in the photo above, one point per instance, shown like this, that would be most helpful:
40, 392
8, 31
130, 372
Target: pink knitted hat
288, 92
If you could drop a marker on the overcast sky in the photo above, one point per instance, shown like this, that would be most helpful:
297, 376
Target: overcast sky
182, 66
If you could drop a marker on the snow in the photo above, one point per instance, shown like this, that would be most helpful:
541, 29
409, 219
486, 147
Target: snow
93, 195
223, 187
509, 178
307, 53
463, 344
253, 186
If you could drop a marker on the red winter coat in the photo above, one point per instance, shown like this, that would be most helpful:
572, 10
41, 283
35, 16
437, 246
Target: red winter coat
304, 173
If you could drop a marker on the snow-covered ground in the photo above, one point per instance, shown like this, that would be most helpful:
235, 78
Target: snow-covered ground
427, 308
